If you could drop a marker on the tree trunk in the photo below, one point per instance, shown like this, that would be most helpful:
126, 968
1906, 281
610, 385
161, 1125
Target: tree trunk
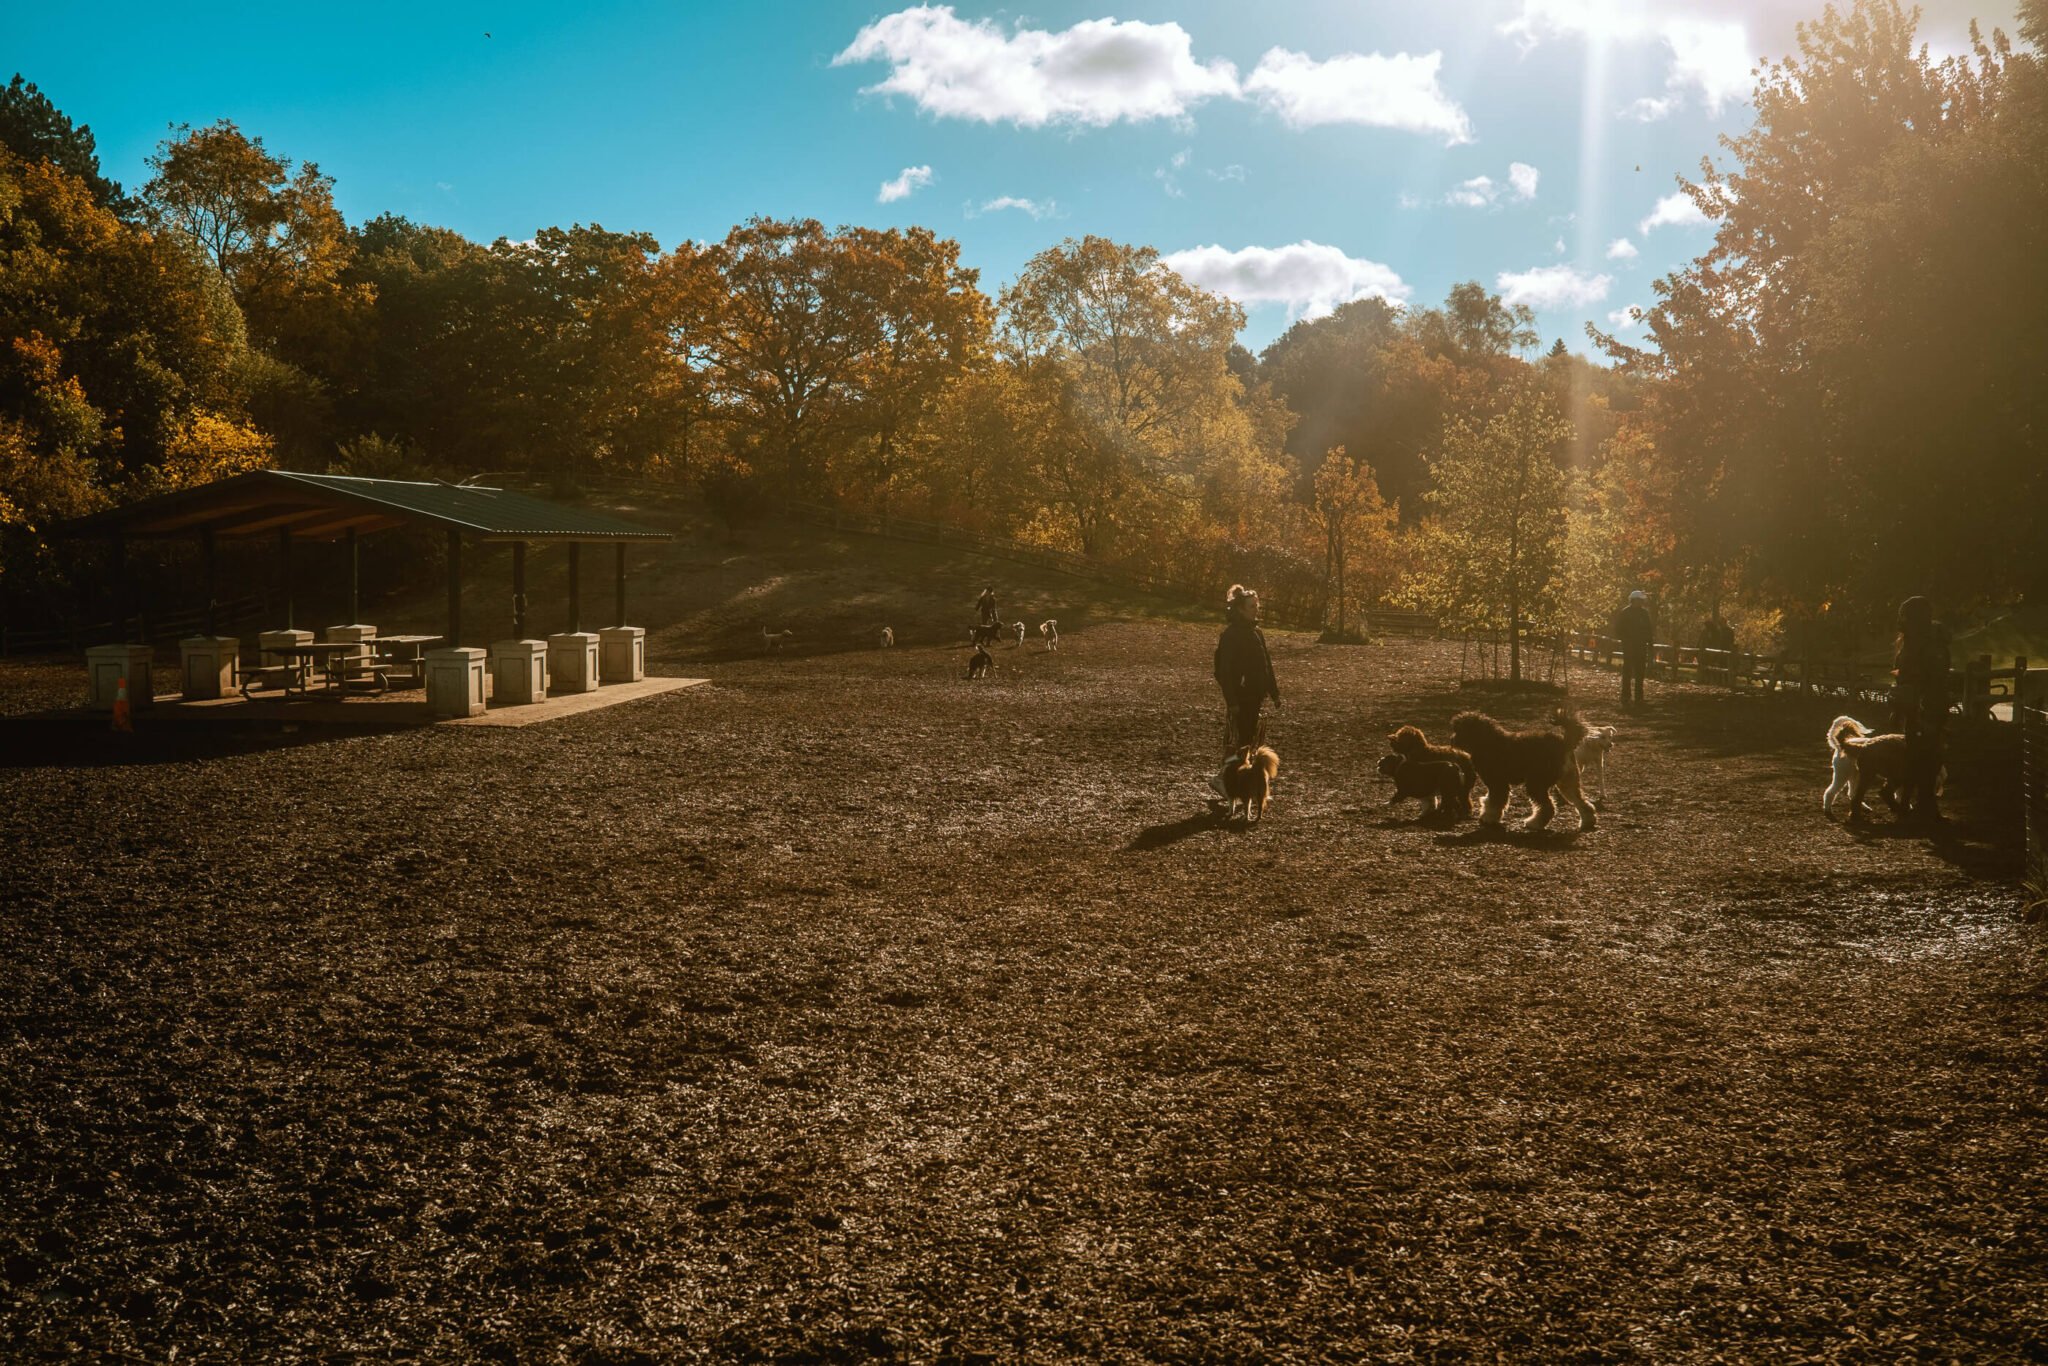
1514, 612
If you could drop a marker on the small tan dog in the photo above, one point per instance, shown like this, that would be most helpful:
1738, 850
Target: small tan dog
1248, 779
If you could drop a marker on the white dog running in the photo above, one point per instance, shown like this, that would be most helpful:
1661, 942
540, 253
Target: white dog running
1050, 632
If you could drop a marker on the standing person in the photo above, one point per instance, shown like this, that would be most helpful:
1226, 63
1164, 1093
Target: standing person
1244, 670
1920, 698
985, 607
1634, 626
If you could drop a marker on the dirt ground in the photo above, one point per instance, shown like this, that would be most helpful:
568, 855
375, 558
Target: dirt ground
842, 1009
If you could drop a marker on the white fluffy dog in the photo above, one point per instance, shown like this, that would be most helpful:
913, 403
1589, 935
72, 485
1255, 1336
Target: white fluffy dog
1851, 745
1592, 757
888, 637
1049, 631
1020, 635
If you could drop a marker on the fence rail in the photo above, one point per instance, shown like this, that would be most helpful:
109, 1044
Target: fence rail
152, 628
1978, 686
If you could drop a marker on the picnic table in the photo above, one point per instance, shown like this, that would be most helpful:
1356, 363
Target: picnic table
302, 662
403, 655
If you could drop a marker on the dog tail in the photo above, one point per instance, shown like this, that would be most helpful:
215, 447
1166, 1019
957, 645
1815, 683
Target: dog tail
1843, 727
1575, 730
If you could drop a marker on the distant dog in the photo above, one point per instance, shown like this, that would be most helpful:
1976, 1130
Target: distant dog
772, 640
1438, 785
1534, 760
1860, 759
1020, 635
1410, 743
1248, 780
979, 663
1592, 757
1049, 631
983, 634
888, 637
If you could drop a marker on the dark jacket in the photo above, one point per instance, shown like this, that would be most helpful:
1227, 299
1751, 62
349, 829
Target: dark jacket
1242, 664
1634, 626
1922, 694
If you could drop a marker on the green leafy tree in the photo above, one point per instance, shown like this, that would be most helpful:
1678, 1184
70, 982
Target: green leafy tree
36, 130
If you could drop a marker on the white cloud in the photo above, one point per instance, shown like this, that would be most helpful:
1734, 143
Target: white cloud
1552, 287
1629, 315
1231, 172
1673, 210
1168, 175
1037, 208
1308, 277
1621, 249
1650, 108
914, 178
1713, 58
1558, 246
1482, 190
1475, 193
1095, 73
1709, 48
1400, 91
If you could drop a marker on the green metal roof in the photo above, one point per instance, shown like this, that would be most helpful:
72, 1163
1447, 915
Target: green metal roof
327, 506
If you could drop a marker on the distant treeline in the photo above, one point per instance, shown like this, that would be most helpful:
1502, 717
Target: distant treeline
1843, 400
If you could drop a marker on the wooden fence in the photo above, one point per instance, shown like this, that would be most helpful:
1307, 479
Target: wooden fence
1978, 687
149, 628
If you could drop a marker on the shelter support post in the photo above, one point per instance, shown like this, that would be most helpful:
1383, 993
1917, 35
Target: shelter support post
355, 580
211, 550
284, 572
118, 550
619, 608
519, 590
575, 586
454, 589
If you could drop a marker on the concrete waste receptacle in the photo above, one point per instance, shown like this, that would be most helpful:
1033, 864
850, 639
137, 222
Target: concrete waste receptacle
622, 654
358, 634
519, 672
455, 682
107, 665
572, 662
268, 643
209, 664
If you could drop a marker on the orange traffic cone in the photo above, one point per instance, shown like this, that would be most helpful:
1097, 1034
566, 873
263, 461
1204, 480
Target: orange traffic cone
122, 720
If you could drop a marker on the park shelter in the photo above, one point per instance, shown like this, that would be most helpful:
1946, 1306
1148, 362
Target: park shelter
290, 507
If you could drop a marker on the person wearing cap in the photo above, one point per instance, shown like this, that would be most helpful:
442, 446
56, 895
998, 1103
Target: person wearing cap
1634, 626
1244, 669
1919, 702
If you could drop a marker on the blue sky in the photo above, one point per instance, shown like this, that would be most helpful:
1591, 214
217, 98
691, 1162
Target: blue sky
1290, 154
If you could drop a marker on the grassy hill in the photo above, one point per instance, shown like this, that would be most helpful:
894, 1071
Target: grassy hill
708, 594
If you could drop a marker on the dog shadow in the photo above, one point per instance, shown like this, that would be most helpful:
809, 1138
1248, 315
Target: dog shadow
1215, 817
1548, 841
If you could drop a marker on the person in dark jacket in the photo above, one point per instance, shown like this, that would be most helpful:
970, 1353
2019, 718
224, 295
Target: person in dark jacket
985, 607
1920, 701
1244, 669
1634, 626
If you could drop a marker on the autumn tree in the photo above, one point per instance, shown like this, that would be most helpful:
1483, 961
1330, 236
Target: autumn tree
928, 323
1136, 363
1357, 526
1501, 503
